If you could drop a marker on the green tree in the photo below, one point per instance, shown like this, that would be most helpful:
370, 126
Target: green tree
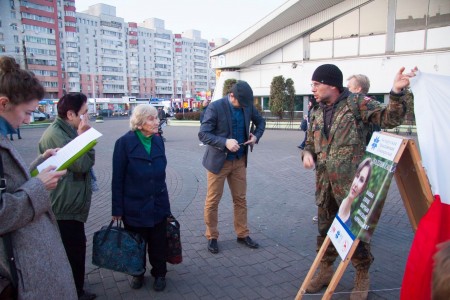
277, 96
290, 103
227, 86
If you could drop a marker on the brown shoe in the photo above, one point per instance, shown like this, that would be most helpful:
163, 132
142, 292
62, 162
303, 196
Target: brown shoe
362, 284
321, 278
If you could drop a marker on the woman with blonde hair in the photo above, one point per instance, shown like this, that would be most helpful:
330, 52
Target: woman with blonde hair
139, 190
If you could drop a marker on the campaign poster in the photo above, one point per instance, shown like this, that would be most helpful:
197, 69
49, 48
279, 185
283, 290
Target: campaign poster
361, 209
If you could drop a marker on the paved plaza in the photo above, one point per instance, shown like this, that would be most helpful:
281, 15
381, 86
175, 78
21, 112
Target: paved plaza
280, 211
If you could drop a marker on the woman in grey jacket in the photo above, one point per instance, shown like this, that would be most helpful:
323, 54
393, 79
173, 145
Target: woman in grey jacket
25, 212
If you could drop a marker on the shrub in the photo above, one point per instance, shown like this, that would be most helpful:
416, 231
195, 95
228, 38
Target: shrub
188, 116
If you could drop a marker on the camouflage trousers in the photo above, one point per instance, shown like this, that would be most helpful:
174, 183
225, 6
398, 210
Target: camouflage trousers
362, 258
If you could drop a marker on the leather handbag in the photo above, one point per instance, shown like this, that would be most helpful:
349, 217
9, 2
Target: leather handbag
118, 249
174, 251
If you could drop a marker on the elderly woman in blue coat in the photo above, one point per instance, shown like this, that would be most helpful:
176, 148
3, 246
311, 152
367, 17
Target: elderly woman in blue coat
139, 190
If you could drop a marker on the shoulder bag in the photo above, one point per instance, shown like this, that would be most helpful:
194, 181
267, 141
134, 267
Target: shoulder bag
118, 249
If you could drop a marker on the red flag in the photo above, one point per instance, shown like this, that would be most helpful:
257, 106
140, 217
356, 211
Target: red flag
433, 229
432, 107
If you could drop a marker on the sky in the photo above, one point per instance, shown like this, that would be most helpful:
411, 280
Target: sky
214, 18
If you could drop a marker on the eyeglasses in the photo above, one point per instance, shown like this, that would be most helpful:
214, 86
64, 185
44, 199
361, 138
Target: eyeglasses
316, 84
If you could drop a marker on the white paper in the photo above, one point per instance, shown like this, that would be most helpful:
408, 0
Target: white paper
69, 150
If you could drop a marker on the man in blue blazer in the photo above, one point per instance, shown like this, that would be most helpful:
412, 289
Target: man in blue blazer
226, 132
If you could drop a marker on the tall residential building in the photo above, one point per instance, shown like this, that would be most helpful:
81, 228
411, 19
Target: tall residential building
143, 60
98, 53
158, 50
102, 37
35, 33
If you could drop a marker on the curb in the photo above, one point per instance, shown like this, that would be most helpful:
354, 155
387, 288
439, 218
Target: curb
38, 125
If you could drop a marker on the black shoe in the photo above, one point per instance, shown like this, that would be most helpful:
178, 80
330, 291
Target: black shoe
159, 284
212, 246
137, 282
87, 296
247, 241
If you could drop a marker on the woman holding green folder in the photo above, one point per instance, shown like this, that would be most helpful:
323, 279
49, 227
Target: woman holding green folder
71, 200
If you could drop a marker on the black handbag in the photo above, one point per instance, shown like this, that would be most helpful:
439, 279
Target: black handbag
174, 251
118, 249
9, 288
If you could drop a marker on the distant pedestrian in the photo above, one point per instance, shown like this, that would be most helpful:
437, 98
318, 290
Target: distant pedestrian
18, 134
305, 122
226, 132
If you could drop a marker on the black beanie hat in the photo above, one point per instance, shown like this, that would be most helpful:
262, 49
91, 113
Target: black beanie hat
328, 74
243, 93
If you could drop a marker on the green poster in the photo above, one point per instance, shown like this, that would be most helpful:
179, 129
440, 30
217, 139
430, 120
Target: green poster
361, 209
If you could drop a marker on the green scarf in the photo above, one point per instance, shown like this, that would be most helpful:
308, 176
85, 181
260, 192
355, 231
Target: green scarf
146, 141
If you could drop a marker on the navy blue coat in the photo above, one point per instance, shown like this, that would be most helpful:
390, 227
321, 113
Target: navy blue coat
139, 190
216, 128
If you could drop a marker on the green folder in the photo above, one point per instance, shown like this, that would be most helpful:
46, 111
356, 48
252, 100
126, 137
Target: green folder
71, 160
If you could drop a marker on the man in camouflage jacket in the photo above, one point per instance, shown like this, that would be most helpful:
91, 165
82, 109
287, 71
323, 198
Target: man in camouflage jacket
335, 146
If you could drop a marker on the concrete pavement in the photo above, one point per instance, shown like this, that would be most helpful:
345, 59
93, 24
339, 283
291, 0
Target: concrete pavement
280, 208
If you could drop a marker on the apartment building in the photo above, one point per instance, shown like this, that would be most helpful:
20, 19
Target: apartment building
36, 33
102, 37
98, 53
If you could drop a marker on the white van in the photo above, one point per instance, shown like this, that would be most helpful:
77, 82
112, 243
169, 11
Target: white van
38, 115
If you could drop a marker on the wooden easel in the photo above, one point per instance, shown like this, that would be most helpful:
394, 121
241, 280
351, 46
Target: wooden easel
417, 197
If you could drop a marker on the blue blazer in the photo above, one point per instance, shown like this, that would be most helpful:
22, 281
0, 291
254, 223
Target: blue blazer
139, 190
216, 128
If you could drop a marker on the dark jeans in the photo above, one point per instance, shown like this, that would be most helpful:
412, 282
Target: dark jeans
155, 238
302, 145
74, 240
18, 134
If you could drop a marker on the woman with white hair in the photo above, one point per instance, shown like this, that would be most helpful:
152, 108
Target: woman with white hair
139, 191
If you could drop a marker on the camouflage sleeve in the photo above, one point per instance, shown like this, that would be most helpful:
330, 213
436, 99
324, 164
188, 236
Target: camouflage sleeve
410, 118
386, 117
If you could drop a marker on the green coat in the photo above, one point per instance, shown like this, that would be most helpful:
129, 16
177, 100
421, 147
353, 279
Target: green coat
337, 157
71, 200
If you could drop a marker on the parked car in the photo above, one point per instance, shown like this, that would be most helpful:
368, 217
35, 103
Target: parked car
105, 112
39, 116
119, 112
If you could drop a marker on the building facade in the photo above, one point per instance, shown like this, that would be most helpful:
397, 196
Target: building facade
374, 38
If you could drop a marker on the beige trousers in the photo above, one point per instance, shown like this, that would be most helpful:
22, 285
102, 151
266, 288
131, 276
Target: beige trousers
235, 173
